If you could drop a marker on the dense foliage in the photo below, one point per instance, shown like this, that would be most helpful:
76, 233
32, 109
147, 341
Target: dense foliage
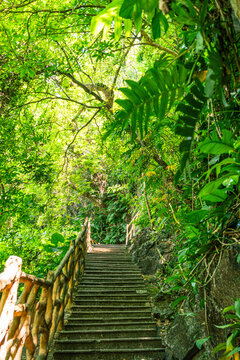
167, 148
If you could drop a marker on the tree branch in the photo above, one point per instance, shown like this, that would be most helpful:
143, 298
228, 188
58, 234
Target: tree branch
84, 87
150, 42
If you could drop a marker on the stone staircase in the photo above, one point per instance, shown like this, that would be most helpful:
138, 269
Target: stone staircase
111, 315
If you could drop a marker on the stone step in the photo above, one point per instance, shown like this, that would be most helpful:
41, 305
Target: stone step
78, 324
111, 303
111, 354
121, 265
109, 343
109, 277
110, 287
107, 334
119, 255
113, 314
110, 296
111, 260
112, 283
109, 292
109, 308
110, 268
112, 320
114, 272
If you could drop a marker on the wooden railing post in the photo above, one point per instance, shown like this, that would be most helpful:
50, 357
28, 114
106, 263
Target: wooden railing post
89, 243
131, 229
9, 281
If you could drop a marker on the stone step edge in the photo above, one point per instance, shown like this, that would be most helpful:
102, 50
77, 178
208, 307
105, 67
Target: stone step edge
109, 323
116, 312
65, 332
114, 301
77, 341
96, 307
93, 351
107, 295
114, 319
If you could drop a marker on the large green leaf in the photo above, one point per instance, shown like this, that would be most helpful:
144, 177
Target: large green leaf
217, 146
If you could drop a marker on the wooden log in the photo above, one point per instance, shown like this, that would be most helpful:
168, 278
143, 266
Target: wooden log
43, 346
22, 300
35, 280
88, 236
12, 271
31, 306
63, 262
39, 316
19, 310
82, 233
15, 351
49, 308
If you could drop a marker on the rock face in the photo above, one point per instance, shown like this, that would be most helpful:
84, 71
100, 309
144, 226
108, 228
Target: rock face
150, 251
152, 255
181, 337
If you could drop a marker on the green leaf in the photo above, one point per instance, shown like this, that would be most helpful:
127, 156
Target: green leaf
199, 42
131, 95
234, 351
164, 21
237, 308
216, 146
138, 89
128, 27
156, 27
228, 308
198, 90
104, 19
184, 131
118, 28
225, 326
216, 195
238, 258
190, 99
210, 83
125, 104
200, 342
134, 123
203, 11
163, 106
185, 146
196, 216
178, 300
56, 238
126, 10
188, 120
140, 120
188, 110
219, 347
147, 115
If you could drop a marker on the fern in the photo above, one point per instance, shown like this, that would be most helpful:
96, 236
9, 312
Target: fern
155, 94
190, 108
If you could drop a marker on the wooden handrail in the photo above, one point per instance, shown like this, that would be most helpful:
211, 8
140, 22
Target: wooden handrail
33, 319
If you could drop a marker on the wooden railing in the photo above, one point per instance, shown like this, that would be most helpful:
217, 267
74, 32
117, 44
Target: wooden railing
131, 229
33, 319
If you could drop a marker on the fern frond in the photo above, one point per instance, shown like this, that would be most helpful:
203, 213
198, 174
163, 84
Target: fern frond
190, 108
155, 94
